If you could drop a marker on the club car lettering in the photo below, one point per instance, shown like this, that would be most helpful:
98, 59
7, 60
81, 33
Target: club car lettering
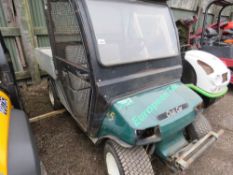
172, 112
139, 119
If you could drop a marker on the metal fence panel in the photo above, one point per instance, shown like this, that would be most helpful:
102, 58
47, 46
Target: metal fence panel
39, 23
13, 43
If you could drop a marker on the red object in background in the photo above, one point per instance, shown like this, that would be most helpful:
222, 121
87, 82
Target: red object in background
228, 62
223, 25
229, 26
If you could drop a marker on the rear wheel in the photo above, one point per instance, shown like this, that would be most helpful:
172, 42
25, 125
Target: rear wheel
126, 161
199, 128
53, 97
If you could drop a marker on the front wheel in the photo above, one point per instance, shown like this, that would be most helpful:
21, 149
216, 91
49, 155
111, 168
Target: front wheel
208, 101
126, 161
199, 128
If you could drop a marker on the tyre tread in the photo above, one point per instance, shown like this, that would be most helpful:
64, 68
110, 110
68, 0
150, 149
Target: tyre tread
134, 161
199, 128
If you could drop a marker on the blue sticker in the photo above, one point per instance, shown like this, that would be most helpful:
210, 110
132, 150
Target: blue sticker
3, 105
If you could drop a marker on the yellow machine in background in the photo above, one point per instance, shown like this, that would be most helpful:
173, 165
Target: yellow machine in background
5, 110
18, 155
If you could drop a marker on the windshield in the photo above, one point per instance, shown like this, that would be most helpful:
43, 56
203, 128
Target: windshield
129, 32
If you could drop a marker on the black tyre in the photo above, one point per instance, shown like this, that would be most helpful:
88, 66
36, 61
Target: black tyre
208, 101
199, 128
126, 161
53, 97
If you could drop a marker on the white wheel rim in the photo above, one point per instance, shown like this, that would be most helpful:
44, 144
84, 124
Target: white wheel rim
51, 97
111, 165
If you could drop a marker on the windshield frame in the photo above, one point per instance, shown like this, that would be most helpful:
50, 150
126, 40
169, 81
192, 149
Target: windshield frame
153, 3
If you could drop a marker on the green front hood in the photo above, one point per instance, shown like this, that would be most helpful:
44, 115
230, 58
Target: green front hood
148, 109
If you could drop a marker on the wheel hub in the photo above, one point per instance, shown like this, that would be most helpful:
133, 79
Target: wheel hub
111, 163
51, 97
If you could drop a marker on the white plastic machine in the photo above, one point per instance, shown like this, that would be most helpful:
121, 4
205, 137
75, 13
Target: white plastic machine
212, 75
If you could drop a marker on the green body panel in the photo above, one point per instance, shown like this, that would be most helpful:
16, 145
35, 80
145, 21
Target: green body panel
207, 94
169, 146
140, 111
115, 125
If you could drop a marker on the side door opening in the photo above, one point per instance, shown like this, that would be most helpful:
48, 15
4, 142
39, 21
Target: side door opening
71, 59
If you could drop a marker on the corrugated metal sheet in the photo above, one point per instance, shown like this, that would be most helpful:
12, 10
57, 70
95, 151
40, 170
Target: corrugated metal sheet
182, 14
43, 41
38, 19
184, 4
10, 42
192, 5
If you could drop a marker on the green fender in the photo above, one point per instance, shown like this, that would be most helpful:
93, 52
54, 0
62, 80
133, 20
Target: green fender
208, 94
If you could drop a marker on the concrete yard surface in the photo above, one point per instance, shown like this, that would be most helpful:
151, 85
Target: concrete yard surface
65, 149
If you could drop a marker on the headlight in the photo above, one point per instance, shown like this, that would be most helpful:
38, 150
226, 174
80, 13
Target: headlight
224, 77
148, 136
206, 67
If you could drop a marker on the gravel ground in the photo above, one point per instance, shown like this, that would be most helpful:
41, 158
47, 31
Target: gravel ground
65, 150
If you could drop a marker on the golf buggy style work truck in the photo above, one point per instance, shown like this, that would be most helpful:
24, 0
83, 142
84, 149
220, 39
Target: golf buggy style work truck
211, 39
203, 72
116, 67
17, 149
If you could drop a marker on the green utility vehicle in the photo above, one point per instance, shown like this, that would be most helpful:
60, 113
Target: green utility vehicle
116, 67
